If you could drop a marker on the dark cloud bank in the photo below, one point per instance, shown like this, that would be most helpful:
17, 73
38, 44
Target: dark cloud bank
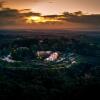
78, 17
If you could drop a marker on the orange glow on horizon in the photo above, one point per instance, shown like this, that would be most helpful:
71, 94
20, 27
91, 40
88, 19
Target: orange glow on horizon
40, 19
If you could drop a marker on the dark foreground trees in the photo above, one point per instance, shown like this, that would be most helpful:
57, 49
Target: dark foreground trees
22, 79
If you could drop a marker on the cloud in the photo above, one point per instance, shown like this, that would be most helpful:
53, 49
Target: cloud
93, 19
13, 17
2, 3
10, 16
7, 12
31, 14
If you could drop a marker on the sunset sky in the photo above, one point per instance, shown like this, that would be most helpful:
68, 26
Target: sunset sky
56, 6
49, 14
